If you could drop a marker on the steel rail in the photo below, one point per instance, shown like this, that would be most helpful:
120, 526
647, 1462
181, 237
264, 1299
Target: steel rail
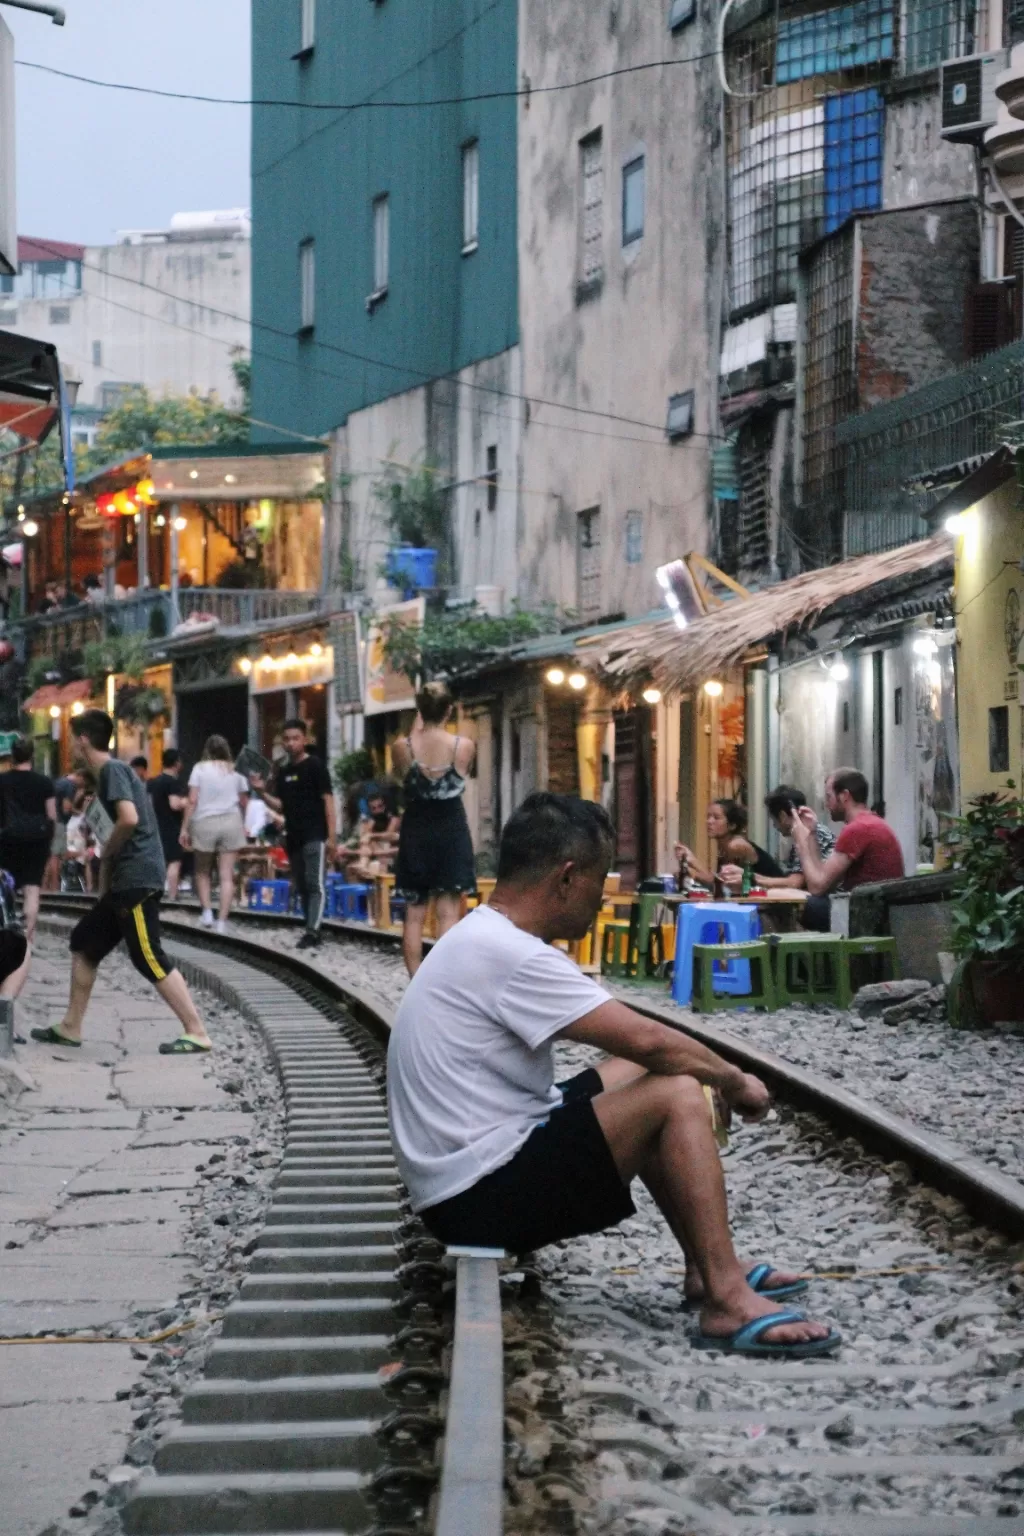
470, 1498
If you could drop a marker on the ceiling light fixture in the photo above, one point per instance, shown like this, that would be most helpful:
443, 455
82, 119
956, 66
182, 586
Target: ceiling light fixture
713, 688
651, 695
555, 676
578, 681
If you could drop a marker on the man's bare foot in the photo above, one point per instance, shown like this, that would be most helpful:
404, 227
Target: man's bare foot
693, 1285
724, 1318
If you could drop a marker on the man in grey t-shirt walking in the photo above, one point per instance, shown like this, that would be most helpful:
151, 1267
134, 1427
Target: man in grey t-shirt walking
132, 873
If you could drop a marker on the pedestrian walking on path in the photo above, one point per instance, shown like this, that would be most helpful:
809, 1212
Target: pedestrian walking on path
28, 818
303, 795
495, 1154
214, 826
169, 803
131, 885
435, 850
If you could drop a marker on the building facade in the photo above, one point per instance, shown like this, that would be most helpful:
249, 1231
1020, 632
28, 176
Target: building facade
167, 310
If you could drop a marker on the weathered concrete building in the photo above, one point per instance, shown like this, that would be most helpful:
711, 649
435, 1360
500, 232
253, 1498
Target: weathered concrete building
621, 260
166, 309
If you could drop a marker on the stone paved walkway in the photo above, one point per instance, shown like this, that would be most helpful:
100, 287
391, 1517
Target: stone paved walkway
97, 1163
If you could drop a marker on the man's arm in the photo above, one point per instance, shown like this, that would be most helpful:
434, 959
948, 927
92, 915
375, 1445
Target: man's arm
821, 875
125, 824
332, 823
259, 787
666, 1052
51, 810
732, 874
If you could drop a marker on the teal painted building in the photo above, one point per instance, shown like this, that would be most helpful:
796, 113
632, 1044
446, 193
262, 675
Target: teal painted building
365, 283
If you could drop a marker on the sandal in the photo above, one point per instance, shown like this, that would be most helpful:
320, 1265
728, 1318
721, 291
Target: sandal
747, 1340
50, 1036
185, 1045
756, 1278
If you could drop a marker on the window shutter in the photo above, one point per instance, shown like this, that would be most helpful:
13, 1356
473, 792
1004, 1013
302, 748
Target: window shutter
988, 318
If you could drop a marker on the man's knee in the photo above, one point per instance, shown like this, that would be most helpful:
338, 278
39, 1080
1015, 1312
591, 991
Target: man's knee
683, 1095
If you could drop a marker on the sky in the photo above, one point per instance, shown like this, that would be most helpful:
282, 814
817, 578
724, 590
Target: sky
92, 161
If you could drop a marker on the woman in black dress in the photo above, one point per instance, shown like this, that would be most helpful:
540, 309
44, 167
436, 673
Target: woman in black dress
435, 851
727, 828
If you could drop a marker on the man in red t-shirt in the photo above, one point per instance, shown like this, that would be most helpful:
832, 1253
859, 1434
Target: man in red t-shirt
866, 849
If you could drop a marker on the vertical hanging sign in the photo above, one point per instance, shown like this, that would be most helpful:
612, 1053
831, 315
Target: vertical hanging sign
344, 641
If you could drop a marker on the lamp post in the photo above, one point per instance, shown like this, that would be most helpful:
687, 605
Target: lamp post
172, 524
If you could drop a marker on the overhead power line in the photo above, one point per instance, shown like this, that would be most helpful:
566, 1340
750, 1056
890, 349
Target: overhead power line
368, 104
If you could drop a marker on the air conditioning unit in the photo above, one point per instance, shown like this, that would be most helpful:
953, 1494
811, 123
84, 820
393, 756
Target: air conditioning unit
969, 102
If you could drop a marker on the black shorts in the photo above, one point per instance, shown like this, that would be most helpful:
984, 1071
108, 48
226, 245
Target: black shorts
133, 916
13, 949
24, 862
561, 1183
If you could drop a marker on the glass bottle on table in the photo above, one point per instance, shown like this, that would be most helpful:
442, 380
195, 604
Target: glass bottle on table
748, 880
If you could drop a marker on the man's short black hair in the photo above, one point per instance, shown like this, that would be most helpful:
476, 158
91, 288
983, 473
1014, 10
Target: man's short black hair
22, 750
294, 725
548, 830
785, 797
172, 757
853, 782
96, 726
139, 762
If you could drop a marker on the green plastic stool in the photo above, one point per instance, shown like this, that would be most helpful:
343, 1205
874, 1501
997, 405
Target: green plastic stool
617, 951
707, 1000
811, 968
883, 946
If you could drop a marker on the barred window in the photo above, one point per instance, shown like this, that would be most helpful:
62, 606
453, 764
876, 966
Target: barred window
588, 563
592, 206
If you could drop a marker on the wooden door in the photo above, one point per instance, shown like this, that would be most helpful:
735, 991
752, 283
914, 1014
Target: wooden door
632, 795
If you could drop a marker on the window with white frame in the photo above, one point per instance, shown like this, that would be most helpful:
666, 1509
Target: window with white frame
633, 177
470, 195
307, 25
307, 285
381, 242
591, 209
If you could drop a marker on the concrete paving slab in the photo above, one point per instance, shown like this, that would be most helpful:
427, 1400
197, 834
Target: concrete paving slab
75, 1440
64, 1373
204, 1125
71, 1148
149, 1239
88, 1120
126, 1183
100, 1210
185, 1086
135, 1160
18, 1320
128, 1280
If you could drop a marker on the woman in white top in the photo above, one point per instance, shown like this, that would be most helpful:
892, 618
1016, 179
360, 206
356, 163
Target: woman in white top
213, 825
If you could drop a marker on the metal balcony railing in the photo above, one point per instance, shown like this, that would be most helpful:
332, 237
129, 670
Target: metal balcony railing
242, 609
899, 457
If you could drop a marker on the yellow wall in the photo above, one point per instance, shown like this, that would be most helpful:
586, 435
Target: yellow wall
988, 549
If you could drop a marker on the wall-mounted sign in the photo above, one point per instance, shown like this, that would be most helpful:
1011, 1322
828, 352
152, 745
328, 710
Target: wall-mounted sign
269, 673
348, 679
387, 690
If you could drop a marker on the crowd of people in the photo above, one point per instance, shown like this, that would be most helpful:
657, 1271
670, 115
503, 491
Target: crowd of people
495, 1153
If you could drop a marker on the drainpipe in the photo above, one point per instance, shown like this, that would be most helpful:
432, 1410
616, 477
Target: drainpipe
173, 525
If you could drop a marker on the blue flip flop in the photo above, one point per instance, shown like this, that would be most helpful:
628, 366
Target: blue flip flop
756, 1278
747, 1340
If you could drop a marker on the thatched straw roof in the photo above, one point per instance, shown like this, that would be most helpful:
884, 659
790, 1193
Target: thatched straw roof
678, 659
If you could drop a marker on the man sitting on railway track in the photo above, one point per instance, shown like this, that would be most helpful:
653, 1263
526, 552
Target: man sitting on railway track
495, 1155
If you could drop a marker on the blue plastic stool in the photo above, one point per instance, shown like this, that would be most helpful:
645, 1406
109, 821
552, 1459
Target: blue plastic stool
351, 902
703, 922
398, 905
269, 895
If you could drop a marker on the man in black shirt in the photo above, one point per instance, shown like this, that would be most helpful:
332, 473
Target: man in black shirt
303, 795
169, 803
28, 815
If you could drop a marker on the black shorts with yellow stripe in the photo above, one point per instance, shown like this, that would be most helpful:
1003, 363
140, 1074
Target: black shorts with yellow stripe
133, 916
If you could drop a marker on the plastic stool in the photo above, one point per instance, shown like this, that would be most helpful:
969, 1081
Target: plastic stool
703, 922
297, 906
809, 968
711, 997
398, 905
269, 895
618, 958
352, 902
853, 949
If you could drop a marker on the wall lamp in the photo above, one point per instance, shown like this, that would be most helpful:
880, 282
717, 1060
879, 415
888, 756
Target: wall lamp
713, 688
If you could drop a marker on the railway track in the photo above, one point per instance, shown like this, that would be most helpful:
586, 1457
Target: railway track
320, 1408
900, 1436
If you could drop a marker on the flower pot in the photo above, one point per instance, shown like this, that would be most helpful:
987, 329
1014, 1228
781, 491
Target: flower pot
998, 987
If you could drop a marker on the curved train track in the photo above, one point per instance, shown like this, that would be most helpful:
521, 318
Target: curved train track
345, 1394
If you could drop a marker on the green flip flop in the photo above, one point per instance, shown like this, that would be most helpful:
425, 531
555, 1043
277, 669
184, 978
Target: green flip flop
50, 1036
185, 1045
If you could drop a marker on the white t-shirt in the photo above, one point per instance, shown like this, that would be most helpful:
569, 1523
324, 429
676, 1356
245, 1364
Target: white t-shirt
219, 787
470, 1071
256, 817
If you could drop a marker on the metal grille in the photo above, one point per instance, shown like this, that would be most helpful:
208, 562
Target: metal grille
754, 450
805, 129
829, 388
588, 567
592, 222
927, 436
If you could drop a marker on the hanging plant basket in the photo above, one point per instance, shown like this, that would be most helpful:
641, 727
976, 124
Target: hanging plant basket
136, 704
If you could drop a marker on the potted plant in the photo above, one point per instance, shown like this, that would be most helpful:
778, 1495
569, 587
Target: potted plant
415, 508
987, 847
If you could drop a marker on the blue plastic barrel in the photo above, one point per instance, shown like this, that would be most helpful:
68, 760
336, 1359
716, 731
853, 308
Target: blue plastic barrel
411, 568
